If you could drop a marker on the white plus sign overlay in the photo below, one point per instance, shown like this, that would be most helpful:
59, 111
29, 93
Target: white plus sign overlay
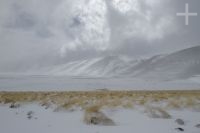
187, 14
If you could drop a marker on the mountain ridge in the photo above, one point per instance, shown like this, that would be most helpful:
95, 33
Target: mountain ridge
177, 65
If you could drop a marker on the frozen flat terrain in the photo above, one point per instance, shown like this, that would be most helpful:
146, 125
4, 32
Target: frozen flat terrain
127, 120
62, 83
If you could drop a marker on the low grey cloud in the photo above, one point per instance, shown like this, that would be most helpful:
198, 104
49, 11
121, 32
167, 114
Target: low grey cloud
40, 33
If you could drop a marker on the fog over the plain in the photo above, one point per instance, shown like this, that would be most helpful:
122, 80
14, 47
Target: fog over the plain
36, 33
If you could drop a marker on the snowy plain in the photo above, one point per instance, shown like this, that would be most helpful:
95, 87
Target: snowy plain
127, 120
64, 83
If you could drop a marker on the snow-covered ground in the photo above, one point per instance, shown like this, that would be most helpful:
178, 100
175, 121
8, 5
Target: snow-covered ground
127, 120
46, 83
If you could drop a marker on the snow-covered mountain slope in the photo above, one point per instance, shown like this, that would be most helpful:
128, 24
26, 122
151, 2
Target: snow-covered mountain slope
178, 65
97, 67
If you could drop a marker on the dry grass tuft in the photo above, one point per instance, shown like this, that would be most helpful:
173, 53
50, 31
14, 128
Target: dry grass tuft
93, 116
94, 100
93, 109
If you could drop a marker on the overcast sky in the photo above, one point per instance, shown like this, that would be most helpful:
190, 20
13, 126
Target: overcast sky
35, 33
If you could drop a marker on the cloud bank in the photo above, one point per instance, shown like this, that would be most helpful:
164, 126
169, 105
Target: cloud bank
38, 33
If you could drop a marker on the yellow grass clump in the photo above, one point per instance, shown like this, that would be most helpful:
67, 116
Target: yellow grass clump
91, 100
